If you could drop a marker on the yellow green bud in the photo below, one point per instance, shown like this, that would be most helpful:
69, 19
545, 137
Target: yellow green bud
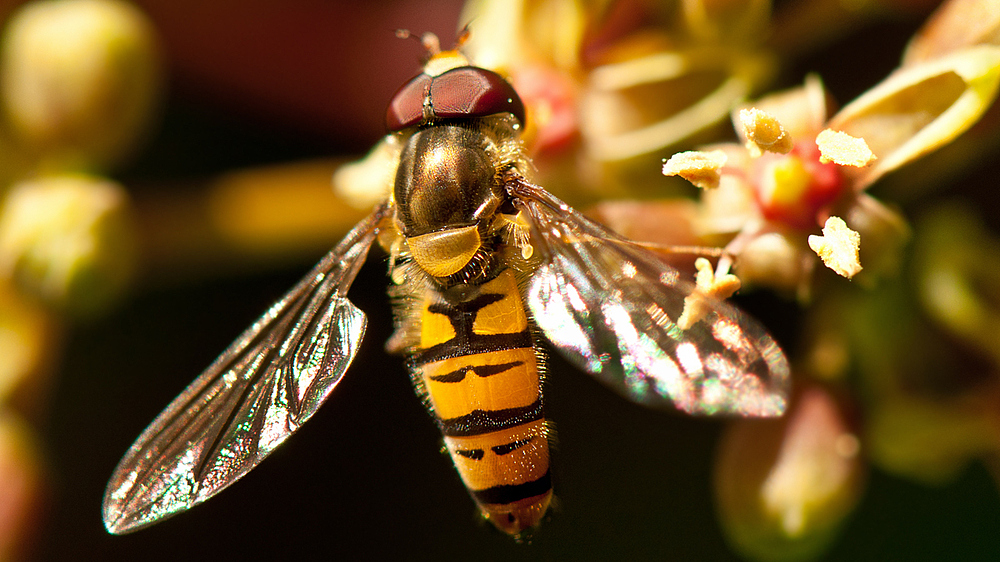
80, 80
69, 239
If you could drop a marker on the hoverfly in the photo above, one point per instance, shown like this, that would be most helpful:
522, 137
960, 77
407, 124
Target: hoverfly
483, 265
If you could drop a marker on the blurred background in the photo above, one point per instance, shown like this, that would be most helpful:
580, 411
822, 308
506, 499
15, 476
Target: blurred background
201, 183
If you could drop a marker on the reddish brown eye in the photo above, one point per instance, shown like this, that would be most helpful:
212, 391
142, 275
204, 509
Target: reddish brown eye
406, 107
469, 91
463, 92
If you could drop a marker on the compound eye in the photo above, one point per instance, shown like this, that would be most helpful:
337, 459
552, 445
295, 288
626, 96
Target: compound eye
470, 91
461, 93
406, 107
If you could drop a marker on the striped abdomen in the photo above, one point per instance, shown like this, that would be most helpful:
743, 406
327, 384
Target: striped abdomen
478, 366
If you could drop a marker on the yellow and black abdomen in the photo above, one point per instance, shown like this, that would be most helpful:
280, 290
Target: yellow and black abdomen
477, 363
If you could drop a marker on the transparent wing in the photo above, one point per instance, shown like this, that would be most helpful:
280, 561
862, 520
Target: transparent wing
611, 308
257, 393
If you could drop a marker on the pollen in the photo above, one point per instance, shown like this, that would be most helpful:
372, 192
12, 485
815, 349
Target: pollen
708, 287
703, 169
838, 247
841, 148
764, 133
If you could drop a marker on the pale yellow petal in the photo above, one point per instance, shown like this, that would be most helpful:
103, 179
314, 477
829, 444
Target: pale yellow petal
955, 25
920, 108
618, 122
505, 34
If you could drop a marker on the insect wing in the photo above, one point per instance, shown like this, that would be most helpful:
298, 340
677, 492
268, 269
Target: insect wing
257, 393
611, 307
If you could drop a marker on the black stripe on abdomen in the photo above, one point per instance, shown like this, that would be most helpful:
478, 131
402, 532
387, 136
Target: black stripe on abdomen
474, 454
479, 422
474, 344
479, 370
510, 493
509, 448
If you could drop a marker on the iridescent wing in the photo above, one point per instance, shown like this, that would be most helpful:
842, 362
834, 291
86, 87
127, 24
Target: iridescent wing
256, 394
611, 308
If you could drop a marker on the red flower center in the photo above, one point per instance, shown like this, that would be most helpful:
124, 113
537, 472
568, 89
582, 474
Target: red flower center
793, 188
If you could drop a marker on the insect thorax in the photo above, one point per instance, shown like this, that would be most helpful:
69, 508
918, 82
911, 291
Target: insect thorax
448, 195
